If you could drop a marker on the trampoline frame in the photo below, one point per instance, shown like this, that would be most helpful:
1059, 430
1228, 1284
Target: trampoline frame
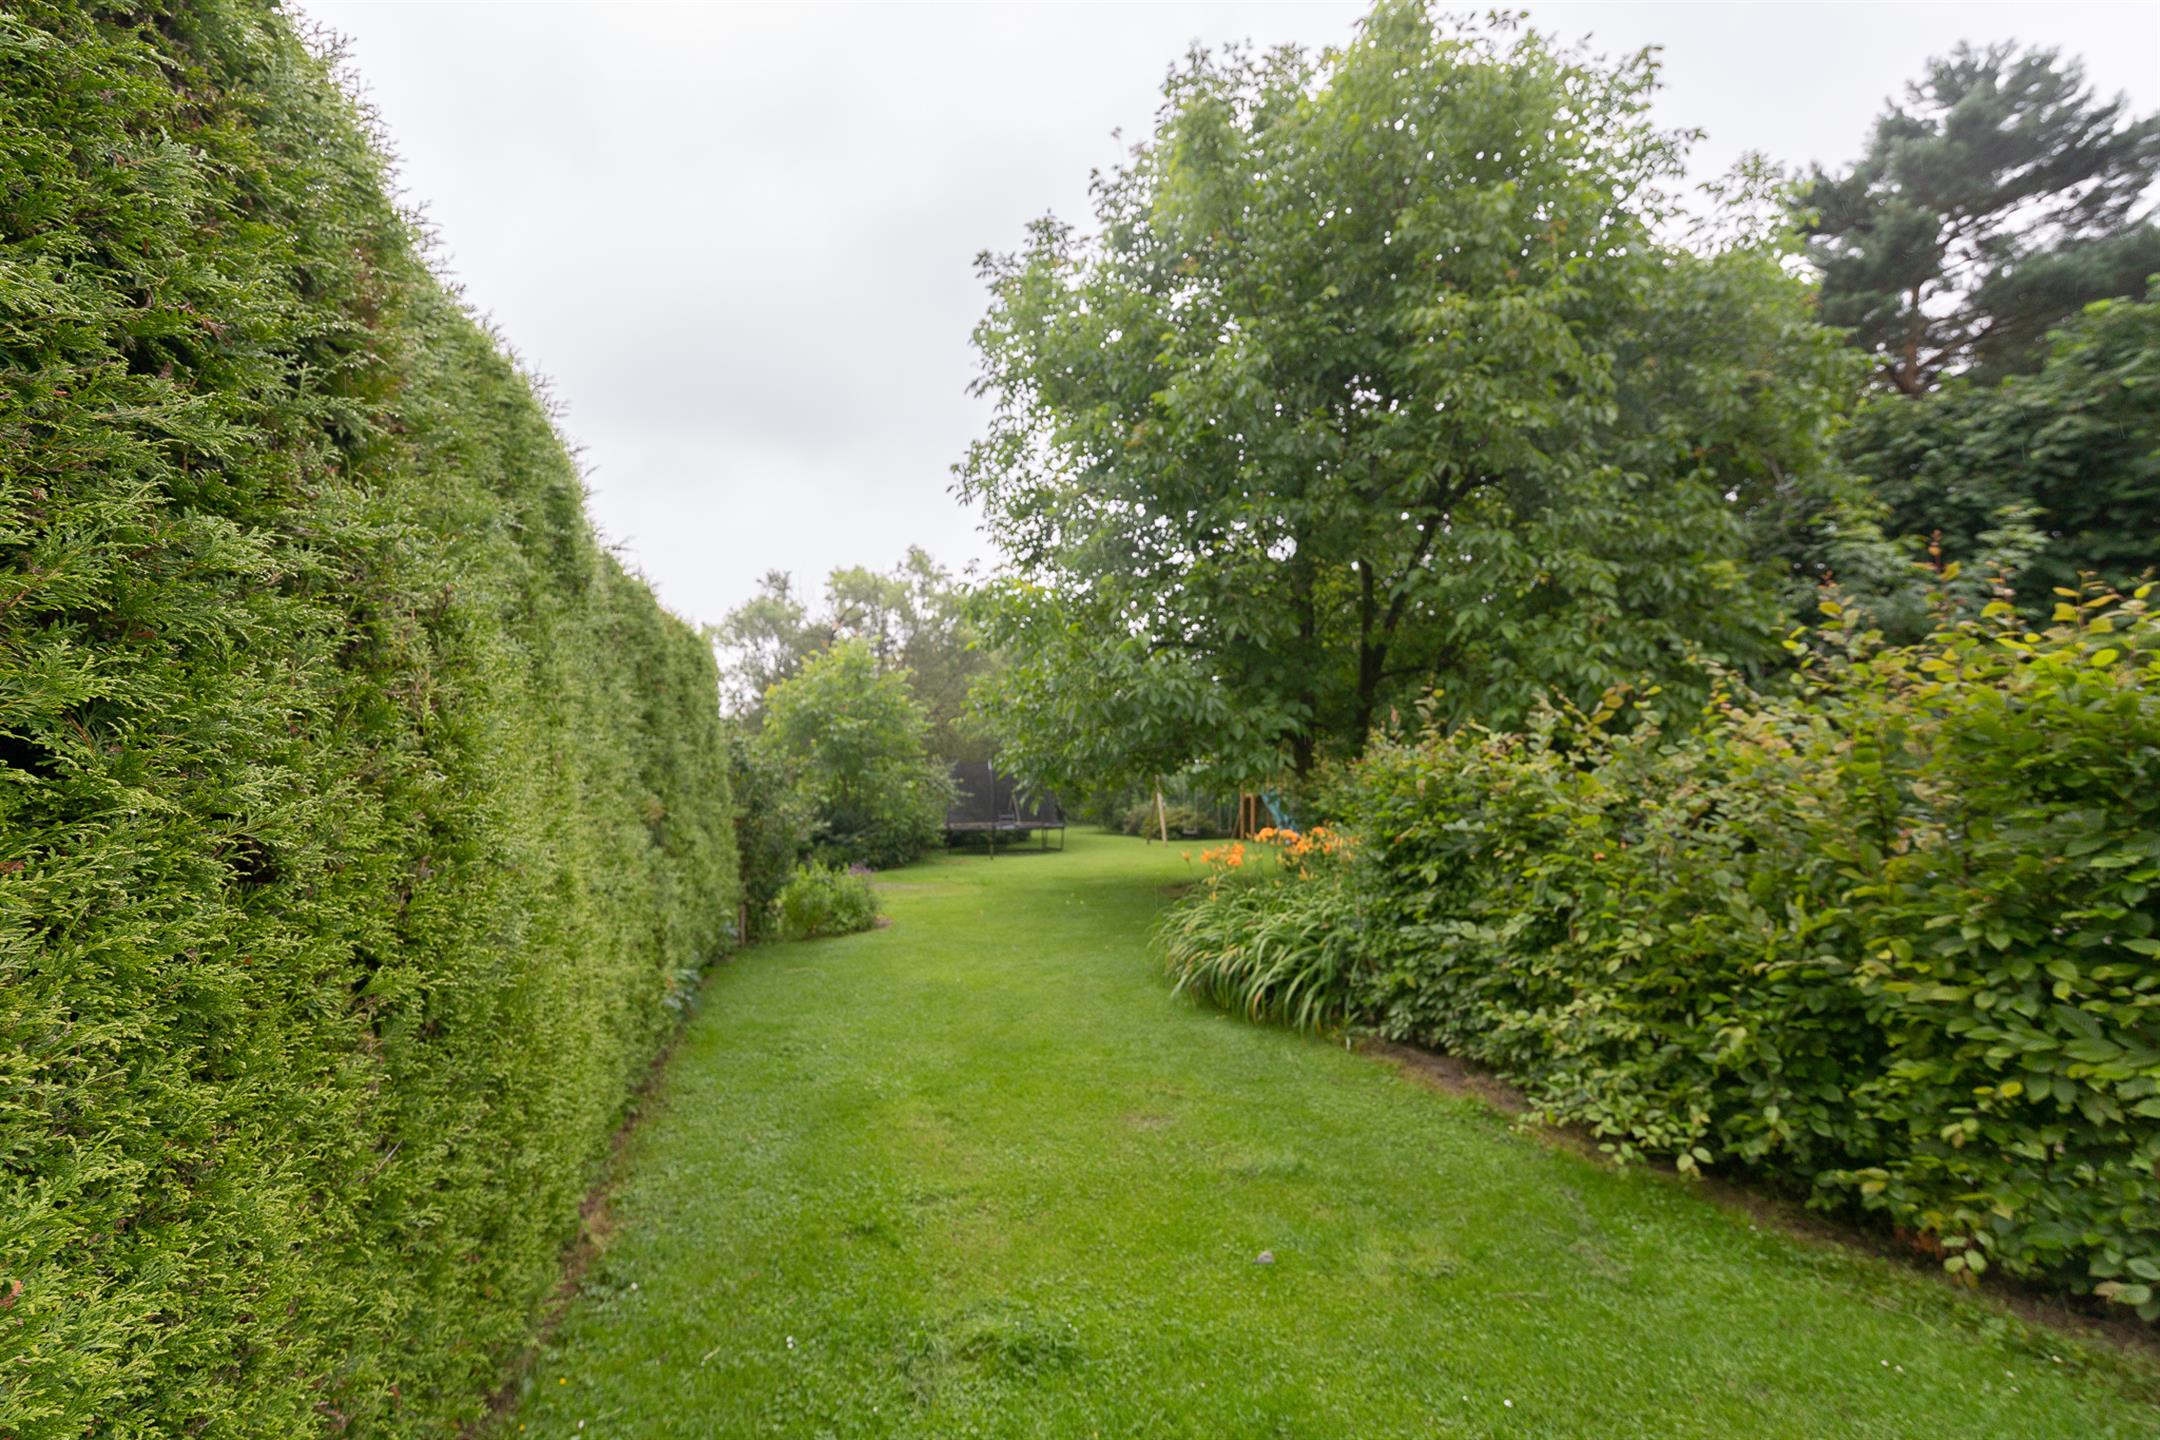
1000, 811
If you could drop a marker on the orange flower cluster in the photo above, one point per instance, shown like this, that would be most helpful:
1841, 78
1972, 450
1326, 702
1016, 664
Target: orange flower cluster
1300, 845
1294, 850
1232, 855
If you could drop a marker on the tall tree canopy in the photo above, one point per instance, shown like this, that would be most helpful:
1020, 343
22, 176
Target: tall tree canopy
1376, 376
1997, 201
764, 641
2070, 454
916, 616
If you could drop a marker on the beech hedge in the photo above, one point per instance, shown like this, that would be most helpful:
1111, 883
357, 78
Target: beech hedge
1893, 939
362, 823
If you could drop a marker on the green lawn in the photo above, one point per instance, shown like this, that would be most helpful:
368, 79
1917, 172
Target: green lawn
979, 1173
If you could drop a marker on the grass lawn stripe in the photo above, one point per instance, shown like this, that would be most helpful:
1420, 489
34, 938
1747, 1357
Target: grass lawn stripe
980, 1174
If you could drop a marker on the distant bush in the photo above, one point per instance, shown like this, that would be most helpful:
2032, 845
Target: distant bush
1182, 820
1896, 936
773, 828
825, 900
987, 840
856, 742
363, 826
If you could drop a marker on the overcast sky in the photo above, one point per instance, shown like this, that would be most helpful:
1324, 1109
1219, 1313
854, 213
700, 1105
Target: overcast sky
740, 241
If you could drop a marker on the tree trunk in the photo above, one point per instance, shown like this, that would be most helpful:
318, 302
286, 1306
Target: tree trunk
1301, 744
1372, 657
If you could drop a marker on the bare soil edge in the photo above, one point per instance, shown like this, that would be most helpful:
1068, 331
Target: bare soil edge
2037, 1306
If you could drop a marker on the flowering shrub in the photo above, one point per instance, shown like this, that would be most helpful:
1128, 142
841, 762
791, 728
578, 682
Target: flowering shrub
825, 900
1896, 935
1275, 942
1302, 850
1228, 857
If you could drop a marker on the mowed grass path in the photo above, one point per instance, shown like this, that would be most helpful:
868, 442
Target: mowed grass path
979, 1173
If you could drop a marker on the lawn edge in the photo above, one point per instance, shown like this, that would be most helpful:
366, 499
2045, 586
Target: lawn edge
2034, 1305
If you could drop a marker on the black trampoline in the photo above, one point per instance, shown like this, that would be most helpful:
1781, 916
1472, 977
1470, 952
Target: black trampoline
993, 807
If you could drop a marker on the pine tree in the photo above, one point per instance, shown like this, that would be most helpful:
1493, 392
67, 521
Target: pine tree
2000, 199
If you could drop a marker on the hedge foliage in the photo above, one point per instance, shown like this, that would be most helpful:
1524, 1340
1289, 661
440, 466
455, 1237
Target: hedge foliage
359, 816
1895, 937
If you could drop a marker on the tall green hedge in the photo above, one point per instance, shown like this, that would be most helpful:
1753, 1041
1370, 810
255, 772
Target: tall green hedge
361, 821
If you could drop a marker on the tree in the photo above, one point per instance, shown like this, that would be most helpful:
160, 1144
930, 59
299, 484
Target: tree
2074, 450
855, 742
916, 617
1376, 376
763, 642
1995, 203
913, 618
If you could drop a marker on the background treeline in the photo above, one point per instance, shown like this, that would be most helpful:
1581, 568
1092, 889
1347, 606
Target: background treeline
362, 823
845, 723
1992, 255
1417, 370
1695, 617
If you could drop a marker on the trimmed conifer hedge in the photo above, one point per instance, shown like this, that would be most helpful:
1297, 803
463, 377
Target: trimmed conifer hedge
361, 821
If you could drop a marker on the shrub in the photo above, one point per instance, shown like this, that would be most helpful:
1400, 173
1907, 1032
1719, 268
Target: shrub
855, 739
825, 900
988, 840
361, 822
1182, 820
773, 827
1896, 937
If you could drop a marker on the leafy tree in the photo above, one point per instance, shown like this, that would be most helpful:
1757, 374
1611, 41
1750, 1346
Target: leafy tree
874, 608
855, 741
763, 642
2073, 449
1993, 204
1376, 376
914, 617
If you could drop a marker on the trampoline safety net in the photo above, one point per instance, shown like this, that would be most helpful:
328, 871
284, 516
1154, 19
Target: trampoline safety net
987, 803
